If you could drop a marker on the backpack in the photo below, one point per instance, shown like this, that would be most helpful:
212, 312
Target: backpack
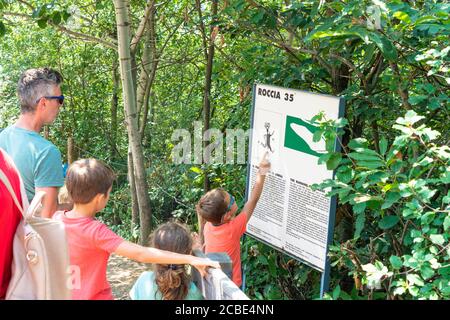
40, 267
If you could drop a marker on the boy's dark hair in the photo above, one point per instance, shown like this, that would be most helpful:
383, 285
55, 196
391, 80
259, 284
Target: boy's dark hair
172, 280
88, 177
212, 206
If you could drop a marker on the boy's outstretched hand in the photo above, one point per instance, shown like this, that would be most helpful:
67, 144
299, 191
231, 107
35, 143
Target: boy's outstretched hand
202, 263
264, 164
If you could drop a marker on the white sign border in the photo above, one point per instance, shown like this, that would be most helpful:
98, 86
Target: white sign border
333, 202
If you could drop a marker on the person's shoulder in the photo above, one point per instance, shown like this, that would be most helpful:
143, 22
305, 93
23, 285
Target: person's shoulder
5, 132
58, 215
5, 158
208, 226
48, 147
100, 231
240, 218
147, 276
96, 224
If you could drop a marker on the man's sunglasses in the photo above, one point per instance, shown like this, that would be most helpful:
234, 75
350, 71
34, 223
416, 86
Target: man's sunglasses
59, 98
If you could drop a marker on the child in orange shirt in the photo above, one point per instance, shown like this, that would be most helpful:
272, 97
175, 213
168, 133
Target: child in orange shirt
223, 231
91, 242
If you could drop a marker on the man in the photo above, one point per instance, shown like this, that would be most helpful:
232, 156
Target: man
38, 160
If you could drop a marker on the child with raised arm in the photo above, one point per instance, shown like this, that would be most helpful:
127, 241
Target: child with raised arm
168, 281
223, 229
89, 183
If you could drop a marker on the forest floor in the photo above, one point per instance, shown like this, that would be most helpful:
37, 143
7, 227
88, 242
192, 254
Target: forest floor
122, 274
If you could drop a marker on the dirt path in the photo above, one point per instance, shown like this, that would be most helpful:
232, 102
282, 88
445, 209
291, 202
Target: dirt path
122, 274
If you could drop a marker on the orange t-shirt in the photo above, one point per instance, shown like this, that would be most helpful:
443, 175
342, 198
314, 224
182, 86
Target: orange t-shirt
90, 244
226, 238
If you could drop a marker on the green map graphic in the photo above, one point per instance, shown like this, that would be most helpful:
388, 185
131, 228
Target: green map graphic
292, 139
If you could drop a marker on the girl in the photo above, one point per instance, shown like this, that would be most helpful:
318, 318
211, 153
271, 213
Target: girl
168, 281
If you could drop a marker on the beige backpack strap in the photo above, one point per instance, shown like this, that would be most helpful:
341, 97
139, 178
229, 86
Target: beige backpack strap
8, 186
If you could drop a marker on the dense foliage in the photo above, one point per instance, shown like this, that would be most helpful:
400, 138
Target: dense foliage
389, 60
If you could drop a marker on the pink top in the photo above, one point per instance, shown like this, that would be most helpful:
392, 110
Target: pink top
90, 244
226, 238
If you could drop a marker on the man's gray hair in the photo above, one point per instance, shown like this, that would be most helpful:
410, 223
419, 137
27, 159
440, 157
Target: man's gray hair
34, 84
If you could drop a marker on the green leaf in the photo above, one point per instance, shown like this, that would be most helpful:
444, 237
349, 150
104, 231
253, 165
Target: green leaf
258, 17
65, 16
272, 267
344, 174
445, 178
446, 199
437, 239
56, 18
426, 272
405, 190
359, 224
417, 99
2, 29
39, 11
414, 291
402, 16
410, 118
263, 260
385, 45
415, 279
42, 23
396, 262
370, 164
334, 161
317, 135
427, 218
359, 207
391, 198
340, 123
336, 292
383, 145
388, 222
357, 143
196, 170
363, 156
447, 222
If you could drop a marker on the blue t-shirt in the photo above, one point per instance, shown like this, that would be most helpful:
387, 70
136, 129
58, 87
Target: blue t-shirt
146, 288
38, 160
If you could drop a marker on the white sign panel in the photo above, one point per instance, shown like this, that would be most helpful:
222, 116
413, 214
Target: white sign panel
289, 215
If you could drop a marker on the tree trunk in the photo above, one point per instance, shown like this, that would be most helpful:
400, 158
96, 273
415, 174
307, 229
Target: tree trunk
209, 55
131, 116
150, 59
134, 200
70, 150
207, 92
114, 103
46, 132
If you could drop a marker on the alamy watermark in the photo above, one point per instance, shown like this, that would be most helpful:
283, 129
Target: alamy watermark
210, 146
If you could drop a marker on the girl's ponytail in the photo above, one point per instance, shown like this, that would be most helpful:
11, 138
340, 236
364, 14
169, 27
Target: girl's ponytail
172, 279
